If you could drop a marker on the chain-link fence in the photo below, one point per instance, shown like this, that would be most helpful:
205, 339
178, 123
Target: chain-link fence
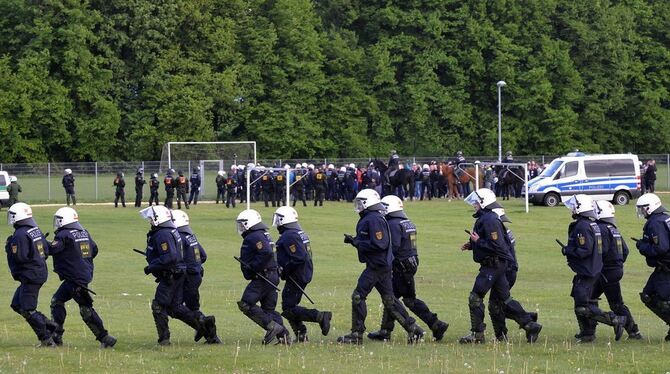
94, 180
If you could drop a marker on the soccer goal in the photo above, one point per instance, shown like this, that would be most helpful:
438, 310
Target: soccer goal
207, 158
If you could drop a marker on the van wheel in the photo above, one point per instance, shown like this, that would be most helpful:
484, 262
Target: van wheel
621, 198
551, 199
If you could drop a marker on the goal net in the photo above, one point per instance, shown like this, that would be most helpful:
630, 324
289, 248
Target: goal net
206, 158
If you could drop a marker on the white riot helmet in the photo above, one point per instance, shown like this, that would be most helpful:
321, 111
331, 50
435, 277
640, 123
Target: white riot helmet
304, 165
233, 167
425, 167
648, 204
604, 211
310, 166
501, 214
68, 171
221, 173
65, 216
366, 199
352, 165
180, 218
284, 215
484, 197
581, 205
12, 178
298, 166
247, 219
158, 215
343, 169
331, 166
287, 166
394, 206
18, 212
154, 175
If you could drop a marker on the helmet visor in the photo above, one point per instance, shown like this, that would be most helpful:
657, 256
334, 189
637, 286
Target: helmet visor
58, 222
359, 205
641, 210
277, 220
241, 226
473, 198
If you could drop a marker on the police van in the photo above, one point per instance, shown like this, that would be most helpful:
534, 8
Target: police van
613, 177
4, 182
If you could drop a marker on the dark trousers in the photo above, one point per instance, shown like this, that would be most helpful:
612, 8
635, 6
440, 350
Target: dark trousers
259, 291
120, 194
69, 196
181, 196
24, 303
299, 194
168, 301
587, 312
192, 290
138, 197
169, 195
280, 196
68, 291
404, 287
382, 281
319, 194
268, 195
497, 308
220, 194
153, 197
656, 294
230, 199
493, 278
193, 195
609, 284
294, 313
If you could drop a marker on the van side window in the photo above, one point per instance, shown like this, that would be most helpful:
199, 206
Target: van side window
597, 168
622, 168
571, 169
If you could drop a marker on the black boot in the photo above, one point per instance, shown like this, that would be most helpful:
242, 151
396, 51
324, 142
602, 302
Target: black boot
107, 341
532, 331
355, 337
324, 322
439, 328
381, 335
473, 338
274, 330
415, 334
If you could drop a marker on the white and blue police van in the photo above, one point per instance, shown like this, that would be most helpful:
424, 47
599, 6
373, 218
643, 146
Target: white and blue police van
614, 177
4, 182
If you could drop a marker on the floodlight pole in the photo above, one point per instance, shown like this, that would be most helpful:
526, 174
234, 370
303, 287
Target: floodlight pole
288, 184
248, 170
500, 85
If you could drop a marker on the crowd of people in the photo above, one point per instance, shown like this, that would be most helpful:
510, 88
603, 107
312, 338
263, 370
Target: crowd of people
386, 241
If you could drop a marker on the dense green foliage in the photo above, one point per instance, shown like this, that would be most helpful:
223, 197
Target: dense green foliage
115, 79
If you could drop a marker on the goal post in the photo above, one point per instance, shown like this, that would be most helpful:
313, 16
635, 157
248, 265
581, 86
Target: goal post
478, 166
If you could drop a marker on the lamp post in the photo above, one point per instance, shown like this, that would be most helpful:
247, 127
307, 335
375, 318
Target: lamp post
500, 85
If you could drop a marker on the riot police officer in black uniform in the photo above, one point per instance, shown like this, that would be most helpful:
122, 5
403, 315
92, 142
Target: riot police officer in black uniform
181, 185
298, 188
319, 182
195, 181
154, 184
267, 186
139, 186
280, 188
169, 184
220, 186
68, 185
231, 190
120, 192
73, 251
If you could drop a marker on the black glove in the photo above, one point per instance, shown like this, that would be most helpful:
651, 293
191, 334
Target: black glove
348, 239
146, 270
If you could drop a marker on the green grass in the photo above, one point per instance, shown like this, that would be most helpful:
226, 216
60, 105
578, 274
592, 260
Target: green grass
444, 281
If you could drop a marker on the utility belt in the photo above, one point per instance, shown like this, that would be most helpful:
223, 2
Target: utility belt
408, 265
171, 274
491, 261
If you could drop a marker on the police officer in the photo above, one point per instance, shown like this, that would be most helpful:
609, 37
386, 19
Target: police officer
491, 249
267, 186
319, 182
195, 181
374, 247
394, 163
13, 190
154, 184
165, 262
405, 265
497, 308
139, 186
615, 252
341, 184
508, 157
331, 175
350, 182
294, 257
231, 189
426, 190
655, 247
584, 254
181, 185
169, 184
68, 185
120, 192
73, 251
258, 258
299, 188
194, 256
27, 250
220, 186
280, 188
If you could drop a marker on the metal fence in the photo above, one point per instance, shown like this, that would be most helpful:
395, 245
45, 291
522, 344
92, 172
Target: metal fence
94, 180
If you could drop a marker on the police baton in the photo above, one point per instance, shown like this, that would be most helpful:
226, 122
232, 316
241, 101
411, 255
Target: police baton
635, 240
467, 232
257, 274
46, 235
140, 252
301, 289
82, 287
559, 243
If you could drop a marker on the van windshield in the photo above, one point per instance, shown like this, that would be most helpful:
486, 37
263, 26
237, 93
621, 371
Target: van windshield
551, 169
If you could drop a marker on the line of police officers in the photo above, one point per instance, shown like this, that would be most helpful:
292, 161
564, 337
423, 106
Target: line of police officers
386, 243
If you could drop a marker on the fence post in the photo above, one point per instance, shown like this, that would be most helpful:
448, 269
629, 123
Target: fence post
667, 165
96, 181
49, 179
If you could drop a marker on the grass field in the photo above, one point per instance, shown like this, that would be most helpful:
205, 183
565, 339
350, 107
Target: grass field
444, 281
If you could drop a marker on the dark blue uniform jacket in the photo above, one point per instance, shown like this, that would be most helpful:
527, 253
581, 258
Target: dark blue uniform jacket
73, 251
584, 249
258, 252
373, 241
294, 255
655, 242
193, 253
164, 251
403, 237
27, 251
493, 241
615, 250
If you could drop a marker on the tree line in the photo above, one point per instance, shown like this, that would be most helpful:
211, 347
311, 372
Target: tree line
84, 80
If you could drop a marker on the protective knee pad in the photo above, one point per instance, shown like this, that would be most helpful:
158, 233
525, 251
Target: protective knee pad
409, 302
582, 311
495, 307
156, 308
356, 298
86, 312
388, 301
26, 313
620, 309
56, 303
244, 306
474, 300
